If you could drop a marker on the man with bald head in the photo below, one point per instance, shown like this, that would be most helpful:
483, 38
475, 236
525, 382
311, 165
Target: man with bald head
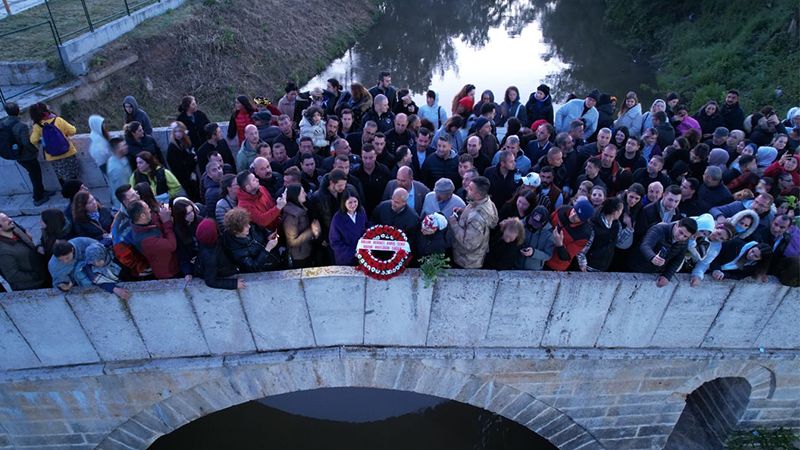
380, 114
396, 212
416, 190
249, 149
399, 135
272, 181
479, 159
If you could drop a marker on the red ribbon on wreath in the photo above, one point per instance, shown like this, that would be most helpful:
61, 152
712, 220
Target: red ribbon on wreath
384, 238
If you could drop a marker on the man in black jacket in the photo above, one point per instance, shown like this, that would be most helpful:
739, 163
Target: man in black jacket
731, 112
502, 178
395, 212
384, 87
23, 151
441, 164
663, 249
663, 211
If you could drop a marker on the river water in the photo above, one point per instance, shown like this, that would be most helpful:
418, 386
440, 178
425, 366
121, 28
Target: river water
443, 45
352, 419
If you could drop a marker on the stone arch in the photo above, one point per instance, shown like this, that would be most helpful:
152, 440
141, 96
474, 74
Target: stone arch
761, 378
246, 383
711, 414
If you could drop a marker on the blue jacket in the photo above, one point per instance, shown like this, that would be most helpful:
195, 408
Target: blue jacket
632, 119
436, 113
572, 110
344, 235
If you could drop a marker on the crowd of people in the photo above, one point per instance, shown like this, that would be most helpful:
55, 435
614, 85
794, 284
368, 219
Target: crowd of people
595, 185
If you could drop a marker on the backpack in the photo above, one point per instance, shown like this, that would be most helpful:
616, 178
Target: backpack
53, 140
9, 149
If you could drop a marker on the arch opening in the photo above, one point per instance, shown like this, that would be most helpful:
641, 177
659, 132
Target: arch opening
352, 418
712, 413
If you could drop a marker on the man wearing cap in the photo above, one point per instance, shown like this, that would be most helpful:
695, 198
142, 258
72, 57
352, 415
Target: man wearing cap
579, 109
470, 227
663, 249
538, 245
266, 131
441, 164
719, 139
483, 130
571, 232
442, 200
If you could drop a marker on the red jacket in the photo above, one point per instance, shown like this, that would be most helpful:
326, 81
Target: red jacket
261, 207
156, 242
575, 238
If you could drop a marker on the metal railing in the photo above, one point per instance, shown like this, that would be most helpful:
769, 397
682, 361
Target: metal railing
93, 22
7, 36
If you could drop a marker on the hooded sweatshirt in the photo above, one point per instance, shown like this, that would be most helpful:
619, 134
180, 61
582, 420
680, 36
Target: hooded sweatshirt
435, 113
138, 115
99, 147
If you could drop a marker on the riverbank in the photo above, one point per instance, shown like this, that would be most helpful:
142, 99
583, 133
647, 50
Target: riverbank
711, 46
203, 50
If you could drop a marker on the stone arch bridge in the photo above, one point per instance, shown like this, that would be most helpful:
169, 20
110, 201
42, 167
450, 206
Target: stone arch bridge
588, 361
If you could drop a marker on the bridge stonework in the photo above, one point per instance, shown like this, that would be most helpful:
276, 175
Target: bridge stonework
587, 361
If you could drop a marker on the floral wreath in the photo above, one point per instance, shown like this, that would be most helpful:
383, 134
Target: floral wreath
387, 239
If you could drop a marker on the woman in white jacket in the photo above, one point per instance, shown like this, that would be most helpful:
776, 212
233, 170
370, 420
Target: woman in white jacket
630, 115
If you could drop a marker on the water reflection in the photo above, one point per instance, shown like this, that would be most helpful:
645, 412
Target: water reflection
443, 45
440, 424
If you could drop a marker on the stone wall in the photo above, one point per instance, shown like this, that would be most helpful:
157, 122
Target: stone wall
323, 307
585, 360
14, 73
75, 51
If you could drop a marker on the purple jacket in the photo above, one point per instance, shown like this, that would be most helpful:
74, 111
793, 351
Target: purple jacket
344, 236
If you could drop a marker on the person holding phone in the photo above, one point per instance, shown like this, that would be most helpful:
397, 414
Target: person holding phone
571, 231
663, 249
248, 246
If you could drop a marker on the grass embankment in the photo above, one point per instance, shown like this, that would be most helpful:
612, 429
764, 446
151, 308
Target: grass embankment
218, 49
704, 48
69, 19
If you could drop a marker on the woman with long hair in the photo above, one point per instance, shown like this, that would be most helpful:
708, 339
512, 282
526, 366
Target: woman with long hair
138, 141
630, 115
298, 229
520, 205
194, 120
54, 227
185, 218
228, 200
182, 159
90, 219
61, 152
162, 182
511, 107
608, 235
241, 117
146, 195
468, 91
360, 102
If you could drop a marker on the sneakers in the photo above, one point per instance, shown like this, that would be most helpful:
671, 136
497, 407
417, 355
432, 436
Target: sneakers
42, 200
